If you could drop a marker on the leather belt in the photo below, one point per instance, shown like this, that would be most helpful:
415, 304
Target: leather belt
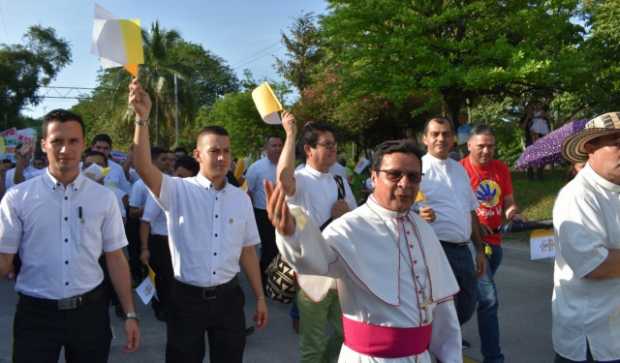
208, 293
71, 303
455, 244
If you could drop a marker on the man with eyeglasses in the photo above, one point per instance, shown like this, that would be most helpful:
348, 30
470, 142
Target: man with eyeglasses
325, 197
394, 280
447, 192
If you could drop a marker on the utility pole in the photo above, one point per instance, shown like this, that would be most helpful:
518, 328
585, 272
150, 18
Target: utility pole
176, 112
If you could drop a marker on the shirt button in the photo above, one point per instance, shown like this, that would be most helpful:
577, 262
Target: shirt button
66, 240
214, 253
214, 272
66, 198
66, 262
216, 216
66, 218
66, 283
216, 235
411, 246
415, 261
216, 198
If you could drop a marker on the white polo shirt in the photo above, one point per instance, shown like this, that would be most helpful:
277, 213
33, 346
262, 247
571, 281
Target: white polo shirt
138, 195
116, 177
445, 185
155, 216
29, 173
586, 219
262, 169
40, 220
207, 229
317, 192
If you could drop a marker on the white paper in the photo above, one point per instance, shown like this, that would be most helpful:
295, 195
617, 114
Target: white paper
146, 290
542, 244
361, 165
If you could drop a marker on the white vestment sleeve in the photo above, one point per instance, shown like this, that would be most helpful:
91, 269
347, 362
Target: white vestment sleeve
446, 339
306, 250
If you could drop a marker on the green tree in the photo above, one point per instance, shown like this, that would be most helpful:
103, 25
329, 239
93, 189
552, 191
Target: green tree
303, 52
24, 68
202, 78
455, 50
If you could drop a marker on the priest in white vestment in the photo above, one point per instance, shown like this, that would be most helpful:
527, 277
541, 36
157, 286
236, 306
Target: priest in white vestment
394, 281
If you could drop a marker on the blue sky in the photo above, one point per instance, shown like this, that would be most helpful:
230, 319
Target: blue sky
244, 33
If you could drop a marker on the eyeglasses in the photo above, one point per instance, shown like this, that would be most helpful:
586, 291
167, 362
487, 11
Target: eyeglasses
328, 145
396, 175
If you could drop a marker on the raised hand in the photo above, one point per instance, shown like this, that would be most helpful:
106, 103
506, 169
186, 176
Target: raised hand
289, 124
139, 100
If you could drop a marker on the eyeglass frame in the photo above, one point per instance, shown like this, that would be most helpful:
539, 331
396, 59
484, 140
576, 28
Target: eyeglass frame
396, 176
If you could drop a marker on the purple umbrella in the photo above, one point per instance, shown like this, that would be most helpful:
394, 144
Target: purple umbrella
548, 149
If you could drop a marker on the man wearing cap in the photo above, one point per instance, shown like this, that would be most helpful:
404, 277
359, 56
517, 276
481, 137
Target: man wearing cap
586, 219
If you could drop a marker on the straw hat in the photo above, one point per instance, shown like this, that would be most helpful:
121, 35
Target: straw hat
573, 147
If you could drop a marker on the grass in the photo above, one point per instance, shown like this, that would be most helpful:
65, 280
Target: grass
536, 197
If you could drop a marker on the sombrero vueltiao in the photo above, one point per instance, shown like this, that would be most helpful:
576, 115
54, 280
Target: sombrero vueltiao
573, 147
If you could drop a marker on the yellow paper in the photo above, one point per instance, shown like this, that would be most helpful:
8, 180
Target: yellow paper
267, 104
537, 233
132, 40
420, 197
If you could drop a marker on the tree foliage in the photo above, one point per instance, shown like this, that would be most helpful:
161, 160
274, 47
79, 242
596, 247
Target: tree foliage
202, 78
24, 68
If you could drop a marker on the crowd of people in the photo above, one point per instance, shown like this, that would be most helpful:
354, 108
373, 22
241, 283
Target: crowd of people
390, 280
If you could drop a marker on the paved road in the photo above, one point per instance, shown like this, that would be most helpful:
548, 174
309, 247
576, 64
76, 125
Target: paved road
525, 320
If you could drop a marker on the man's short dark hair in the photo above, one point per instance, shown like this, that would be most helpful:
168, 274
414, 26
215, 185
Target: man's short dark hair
403, 146
273, 136
481, 129
188, 163
89, 152
60, 115
102, 138
212, 130
311, 132
439, 120
157, 150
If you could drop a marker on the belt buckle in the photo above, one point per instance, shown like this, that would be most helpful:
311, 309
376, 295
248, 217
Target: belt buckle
208, 293
70, 303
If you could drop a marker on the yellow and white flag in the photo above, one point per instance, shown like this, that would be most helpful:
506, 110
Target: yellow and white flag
117, 42
267, 104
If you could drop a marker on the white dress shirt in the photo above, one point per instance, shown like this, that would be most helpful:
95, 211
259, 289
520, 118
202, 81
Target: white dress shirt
262, 169
29, 173
155, 216
207, 229
40, 220
339, 169
138, 195
445, 185
375, 254
316, 193
586, 219
116, 177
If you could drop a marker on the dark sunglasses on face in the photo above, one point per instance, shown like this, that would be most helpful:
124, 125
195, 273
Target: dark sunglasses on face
396, 175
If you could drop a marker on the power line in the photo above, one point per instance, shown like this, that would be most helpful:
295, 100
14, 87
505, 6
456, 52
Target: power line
258, 55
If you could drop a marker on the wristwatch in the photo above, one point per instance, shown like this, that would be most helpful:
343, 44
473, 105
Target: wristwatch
131, 315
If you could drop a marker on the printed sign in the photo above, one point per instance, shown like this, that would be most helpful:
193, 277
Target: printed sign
542, 244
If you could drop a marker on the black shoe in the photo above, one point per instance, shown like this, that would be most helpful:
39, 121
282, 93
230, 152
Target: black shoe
249, 331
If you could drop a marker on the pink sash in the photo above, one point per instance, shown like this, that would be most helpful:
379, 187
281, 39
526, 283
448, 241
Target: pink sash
385, 342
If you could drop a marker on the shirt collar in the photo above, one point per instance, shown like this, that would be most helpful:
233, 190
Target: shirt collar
591, 175
53, 183
208, 184
436, 160
383, 212
314, 172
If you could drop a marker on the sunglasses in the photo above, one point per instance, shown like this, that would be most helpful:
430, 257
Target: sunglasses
396, 175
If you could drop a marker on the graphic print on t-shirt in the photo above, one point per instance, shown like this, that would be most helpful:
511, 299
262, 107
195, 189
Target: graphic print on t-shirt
488, 193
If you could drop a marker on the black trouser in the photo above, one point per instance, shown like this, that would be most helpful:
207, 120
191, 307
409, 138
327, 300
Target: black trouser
132, 229
267, 235
161, 263
40, 330
462, 263
194, 311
